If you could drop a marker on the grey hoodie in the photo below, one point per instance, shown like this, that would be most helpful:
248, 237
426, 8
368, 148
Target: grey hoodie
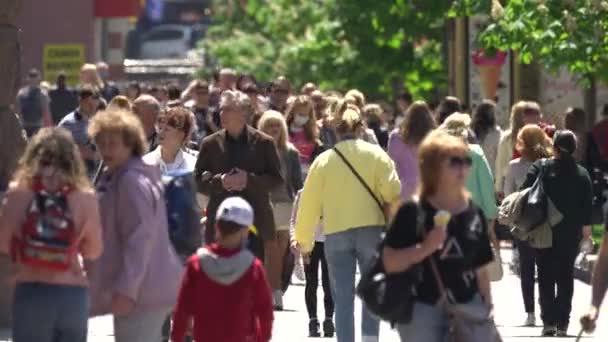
225, 270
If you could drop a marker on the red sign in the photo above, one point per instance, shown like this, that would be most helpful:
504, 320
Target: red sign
116, 8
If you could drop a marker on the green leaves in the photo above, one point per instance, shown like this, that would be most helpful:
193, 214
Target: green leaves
369, 45
570, 33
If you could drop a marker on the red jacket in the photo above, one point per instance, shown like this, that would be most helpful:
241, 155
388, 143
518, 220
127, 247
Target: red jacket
227, 295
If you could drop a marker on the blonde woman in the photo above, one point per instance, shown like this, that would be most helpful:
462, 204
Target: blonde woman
89, 75
273, 124
50, 304
303, 131
351, 235
461, 249
532, 144
137, 277
523, 113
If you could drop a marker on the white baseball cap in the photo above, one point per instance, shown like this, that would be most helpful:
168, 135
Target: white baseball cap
237, 210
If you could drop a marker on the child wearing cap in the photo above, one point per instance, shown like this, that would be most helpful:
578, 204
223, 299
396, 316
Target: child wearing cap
224, 291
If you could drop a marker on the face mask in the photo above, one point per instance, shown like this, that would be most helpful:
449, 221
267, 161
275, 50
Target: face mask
300, 121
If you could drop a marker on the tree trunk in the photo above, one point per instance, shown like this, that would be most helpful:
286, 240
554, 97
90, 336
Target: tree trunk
11, 132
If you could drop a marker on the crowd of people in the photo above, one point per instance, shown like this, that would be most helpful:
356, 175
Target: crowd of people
284, 177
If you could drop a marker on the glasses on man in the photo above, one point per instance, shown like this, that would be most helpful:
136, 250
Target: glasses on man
280, 91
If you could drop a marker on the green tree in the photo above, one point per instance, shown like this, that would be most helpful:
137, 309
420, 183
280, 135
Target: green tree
568, 33
375, 46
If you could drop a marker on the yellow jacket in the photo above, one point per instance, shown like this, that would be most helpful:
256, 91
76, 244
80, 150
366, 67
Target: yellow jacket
332, 191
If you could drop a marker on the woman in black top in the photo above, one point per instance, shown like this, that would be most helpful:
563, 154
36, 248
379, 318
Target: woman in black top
569, 187
461, 249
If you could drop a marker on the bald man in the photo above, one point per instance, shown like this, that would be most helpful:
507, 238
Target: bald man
147, 108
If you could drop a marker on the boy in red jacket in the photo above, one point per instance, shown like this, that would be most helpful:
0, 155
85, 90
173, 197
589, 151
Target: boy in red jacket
224, 290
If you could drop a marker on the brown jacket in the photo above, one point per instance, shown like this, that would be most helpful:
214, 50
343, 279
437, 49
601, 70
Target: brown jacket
258, 156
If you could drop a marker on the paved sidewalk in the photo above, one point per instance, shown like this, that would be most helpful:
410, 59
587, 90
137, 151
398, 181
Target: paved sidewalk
291, 325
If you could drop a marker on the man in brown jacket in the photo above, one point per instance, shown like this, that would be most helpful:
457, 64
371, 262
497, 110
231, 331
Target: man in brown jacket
241, 161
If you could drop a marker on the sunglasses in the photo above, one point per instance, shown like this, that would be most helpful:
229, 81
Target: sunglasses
460, 162
531, 112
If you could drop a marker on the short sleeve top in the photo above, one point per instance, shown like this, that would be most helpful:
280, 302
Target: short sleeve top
466, 248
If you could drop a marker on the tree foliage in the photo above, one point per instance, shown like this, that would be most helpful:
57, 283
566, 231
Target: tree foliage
555, 33
376, 46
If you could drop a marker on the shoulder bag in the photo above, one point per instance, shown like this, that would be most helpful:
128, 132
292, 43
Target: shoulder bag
534, 209
391, 296
476, 325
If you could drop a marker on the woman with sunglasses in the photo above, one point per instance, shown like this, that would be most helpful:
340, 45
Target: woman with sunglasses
50, 304
175, 127
460, 248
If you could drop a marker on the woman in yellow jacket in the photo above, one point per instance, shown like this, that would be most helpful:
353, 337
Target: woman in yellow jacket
352, 218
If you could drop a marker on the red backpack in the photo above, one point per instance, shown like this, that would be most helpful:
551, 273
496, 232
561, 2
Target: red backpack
47, 238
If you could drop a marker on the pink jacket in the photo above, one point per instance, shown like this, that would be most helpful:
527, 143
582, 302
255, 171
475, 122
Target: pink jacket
138, 260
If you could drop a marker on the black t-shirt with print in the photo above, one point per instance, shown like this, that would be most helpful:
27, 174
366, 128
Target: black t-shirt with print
467, 247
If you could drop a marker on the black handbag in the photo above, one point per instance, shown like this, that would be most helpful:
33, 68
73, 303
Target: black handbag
535, 206
390, 297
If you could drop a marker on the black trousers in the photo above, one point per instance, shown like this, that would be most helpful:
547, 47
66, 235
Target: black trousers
312, 283
556, 283
527, 265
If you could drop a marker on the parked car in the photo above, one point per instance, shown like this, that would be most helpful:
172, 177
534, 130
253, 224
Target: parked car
170, 41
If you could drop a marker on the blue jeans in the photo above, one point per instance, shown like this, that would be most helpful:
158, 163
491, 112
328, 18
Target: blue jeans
50, 313
430, 323
343, 251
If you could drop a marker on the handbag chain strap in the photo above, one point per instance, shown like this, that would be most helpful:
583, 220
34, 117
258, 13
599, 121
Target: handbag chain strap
352, 169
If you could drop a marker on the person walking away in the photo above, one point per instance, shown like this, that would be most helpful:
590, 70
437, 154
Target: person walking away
532, 144
373, 114
522, 113
63, 99
147, 109
77, 123
239, 160
352, 235
487, 132
403, 102
311, 269
461, 248
569, 187
575, 120
108, 90
224, 290
175, 127
403, 145
303, 130
33, 105
273, 123
136, 279
51, 298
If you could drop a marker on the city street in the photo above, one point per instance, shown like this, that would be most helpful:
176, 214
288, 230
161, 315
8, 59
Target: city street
292, 324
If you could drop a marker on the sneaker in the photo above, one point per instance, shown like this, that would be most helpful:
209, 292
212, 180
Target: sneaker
313, 328
277, 300
328, 328
530, 320
298, 269
549, 330
561, 332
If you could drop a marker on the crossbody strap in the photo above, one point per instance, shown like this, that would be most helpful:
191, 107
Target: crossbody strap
352, 169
